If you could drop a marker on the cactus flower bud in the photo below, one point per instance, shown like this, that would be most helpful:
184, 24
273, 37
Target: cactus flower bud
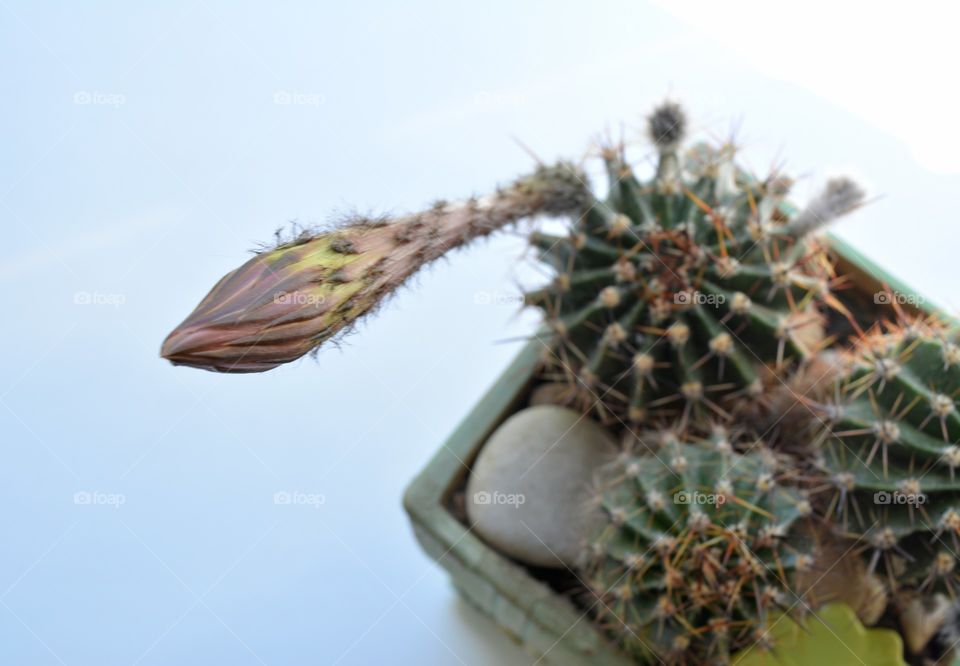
288, 300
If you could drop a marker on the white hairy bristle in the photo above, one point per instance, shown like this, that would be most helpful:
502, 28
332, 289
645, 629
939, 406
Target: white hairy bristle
678, 333
610, 297
619, 224
643, 364
692, 391
615, 333
886, 431
740, 303
721, 344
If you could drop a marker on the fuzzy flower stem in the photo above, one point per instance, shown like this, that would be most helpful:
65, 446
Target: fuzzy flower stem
286, 301
839, 197
666, 127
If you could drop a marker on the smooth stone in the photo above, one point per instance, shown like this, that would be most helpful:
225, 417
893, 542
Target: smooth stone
530, 491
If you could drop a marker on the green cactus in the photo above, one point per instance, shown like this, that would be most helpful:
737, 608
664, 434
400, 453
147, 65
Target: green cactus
699, 548
889, 458
670, 291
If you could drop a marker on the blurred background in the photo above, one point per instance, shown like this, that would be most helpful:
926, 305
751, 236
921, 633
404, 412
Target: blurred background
147, 148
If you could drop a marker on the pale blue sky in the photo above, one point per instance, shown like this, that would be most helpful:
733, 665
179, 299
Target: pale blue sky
146, 148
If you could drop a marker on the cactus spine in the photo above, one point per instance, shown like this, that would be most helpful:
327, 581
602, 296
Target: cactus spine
699, 548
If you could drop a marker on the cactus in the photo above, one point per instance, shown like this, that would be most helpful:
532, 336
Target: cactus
699, 547
289, 299
670, 292
888, 456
